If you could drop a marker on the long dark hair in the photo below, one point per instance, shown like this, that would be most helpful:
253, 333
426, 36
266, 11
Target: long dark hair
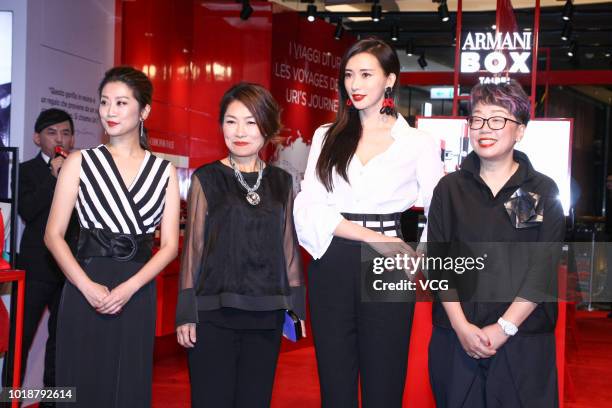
141, 87
342, 138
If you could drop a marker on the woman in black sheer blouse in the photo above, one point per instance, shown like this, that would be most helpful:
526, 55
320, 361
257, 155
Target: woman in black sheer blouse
240, 268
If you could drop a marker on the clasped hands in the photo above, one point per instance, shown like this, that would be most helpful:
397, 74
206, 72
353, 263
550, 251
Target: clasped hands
481, 342
107, 301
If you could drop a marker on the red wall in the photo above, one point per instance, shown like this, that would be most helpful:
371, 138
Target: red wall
193, 51
305, 59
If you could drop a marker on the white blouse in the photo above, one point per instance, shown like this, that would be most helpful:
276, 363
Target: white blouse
390, 182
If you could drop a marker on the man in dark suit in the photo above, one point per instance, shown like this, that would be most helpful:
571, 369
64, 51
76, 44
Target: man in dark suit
44, 279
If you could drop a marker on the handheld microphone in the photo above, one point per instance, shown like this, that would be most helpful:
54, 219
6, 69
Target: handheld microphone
60, 152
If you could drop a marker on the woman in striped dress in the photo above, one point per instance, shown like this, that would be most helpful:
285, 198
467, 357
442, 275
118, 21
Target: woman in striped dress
122, 192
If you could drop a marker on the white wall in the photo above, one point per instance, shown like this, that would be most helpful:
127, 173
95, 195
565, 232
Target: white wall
18, 77
64, 45
70, 43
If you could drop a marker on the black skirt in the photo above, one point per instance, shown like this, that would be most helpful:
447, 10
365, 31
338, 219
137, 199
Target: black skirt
108, 358
523, 373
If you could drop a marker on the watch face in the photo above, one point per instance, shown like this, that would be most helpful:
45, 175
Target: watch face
507, 327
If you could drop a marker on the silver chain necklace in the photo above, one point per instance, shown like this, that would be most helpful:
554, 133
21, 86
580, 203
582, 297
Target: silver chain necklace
252, 197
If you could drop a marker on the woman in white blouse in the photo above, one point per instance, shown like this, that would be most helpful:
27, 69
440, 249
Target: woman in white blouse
363, 171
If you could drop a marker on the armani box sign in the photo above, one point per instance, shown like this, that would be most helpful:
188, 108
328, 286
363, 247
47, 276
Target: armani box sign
496, 54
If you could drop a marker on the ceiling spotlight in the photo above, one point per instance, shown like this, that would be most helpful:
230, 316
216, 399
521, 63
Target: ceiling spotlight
572, 49
376, 12
311, 10
568, 10
422, 61
339, 30
394, 33
607, 54
246, 11
410, 49
443, 12
566, 34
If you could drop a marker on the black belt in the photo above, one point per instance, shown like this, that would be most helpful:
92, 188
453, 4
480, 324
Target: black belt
121, 247
380, 219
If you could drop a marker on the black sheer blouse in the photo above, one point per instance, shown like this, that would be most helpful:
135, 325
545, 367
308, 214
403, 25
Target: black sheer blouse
237, 256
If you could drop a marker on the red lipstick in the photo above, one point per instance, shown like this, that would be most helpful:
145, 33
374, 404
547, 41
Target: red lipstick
357, 97
486, 142
111, 123
241, 143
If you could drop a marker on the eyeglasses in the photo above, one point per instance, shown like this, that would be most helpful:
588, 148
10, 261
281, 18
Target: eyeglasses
494, 122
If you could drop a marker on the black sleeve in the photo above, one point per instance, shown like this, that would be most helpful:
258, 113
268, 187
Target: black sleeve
192, 255
540, 282
439, 240
35, 192
437, 229
293, 259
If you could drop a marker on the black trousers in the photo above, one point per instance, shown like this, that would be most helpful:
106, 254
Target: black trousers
354, 340
38, 296
233, 368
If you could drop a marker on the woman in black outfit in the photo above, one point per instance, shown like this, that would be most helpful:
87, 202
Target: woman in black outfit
493, 341
241, 267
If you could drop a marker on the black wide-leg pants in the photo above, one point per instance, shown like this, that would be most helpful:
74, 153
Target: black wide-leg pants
355, 340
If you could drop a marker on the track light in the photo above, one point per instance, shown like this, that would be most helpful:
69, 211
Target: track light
394, 33
339, 30
422, 61
376, 12
566, 34
568, 10
572, 51
311, 10
443, 12
246, 11
410, 49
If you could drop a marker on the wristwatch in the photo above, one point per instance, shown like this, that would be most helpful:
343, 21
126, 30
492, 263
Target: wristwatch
508, 327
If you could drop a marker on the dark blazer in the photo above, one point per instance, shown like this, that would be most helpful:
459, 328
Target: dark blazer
35, 192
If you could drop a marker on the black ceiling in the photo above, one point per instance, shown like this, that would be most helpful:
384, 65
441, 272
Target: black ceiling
591, 31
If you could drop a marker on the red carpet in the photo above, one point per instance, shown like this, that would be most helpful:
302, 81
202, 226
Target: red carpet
589, 364
588, 357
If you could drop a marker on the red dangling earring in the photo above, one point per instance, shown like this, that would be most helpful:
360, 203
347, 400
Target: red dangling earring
349, 103
388, 106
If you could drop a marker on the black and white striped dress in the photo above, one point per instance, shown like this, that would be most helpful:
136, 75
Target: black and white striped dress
109, 358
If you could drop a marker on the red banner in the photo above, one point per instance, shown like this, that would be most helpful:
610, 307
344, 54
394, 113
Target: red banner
506, 20
305, 61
